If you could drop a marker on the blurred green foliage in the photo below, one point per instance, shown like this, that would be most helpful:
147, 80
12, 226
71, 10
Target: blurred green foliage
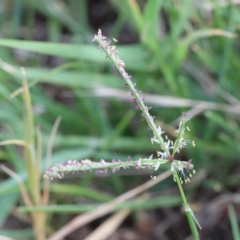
180, 50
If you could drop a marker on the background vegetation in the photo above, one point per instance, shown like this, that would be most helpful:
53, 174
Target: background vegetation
184, 56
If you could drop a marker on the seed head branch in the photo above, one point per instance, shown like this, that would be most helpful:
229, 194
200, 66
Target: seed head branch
112, 53
73, 166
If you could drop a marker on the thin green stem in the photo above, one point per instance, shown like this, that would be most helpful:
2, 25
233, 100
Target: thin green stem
188, 210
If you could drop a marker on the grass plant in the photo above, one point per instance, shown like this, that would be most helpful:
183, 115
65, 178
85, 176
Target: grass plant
168, 149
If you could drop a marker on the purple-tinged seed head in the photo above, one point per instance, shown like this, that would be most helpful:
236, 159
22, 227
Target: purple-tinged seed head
102, 162
107, 43
121, 63
136, 165
94, 38
185, 116
128, 77
189, 165
59, 166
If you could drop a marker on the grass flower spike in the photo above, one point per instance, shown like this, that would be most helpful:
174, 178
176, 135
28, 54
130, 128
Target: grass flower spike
167, 148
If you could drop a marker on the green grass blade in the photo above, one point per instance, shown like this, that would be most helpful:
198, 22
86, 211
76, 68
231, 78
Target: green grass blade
132, 55
79, 191
234, 223
161, 202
